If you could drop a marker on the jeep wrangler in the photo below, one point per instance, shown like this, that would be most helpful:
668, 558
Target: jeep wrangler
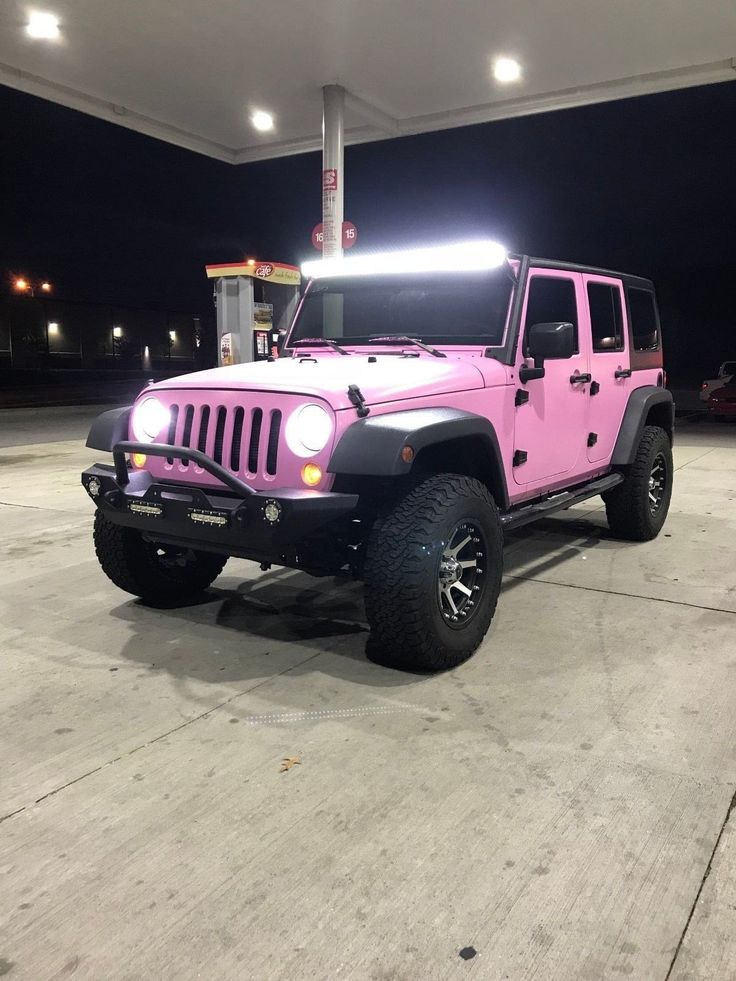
425, 402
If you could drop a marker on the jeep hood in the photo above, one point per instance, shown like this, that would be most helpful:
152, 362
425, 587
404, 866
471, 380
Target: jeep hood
387, 379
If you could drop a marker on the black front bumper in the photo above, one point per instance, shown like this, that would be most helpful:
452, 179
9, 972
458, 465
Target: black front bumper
234, 521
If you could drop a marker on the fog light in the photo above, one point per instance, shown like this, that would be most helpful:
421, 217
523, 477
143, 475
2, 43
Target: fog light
272, 511
139, 459
94, 486
311, 474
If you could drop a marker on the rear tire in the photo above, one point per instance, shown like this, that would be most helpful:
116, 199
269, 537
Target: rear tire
433, 574
637, 508
161, 575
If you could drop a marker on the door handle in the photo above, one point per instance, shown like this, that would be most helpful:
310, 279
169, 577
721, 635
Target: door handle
622, 373
580, 379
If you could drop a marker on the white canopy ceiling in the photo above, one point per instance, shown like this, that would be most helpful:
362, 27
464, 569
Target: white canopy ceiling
191, 72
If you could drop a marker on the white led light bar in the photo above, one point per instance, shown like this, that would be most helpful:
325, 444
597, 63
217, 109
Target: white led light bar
458, 257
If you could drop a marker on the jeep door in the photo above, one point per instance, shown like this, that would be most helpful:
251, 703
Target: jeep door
610, 366
550, 428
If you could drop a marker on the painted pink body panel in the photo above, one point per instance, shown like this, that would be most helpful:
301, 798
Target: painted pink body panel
323, 374
550, 425
389, 384
606, 409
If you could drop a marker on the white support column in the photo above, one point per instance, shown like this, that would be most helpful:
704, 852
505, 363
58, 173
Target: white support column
333, 141
234, 300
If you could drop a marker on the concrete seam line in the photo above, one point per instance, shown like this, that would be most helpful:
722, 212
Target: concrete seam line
696, 458
12, 814
707, 872
163, 735
37, 507
615, 592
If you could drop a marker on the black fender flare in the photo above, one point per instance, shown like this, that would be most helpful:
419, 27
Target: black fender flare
109, 428
373, 446
641, 401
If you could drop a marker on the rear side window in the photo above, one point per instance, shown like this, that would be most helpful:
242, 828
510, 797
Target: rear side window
551, 301
644, 323
606, 318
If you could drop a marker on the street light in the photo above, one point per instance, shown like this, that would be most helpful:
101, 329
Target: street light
29, 286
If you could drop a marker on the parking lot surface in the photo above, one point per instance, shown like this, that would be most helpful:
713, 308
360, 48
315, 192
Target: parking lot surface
557, 808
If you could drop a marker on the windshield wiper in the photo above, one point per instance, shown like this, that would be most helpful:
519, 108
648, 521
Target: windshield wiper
320, 342
405, 339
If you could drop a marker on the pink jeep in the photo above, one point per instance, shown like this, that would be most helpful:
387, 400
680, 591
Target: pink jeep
424, 402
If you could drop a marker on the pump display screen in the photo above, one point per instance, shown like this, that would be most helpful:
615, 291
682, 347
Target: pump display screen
458, 308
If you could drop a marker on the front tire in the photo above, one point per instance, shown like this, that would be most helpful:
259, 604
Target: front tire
160, 575
637, 508
433, 574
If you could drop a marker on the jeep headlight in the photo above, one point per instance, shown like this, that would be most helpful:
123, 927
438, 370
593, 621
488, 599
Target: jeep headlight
149, 418
308, 430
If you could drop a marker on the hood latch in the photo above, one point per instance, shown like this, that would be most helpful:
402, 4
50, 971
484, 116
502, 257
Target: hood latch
356, 397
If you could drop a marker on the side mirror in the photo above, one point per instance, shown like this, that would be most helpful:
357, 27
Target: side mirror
553, 340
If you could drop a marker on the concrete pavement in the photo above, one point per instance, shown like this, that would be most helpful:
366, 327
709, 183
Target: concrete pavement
558, 807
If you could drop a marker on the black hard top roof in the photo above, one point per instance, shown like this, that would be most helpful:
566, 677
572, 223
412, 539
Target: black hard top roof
627, 278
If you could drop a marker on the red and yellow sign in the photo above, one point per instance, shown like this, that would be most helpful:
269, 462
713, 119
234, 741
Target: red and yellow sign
269, 272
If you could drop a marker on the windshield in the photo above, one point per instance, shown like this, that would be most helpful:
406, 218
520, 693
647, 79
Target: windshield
469, 308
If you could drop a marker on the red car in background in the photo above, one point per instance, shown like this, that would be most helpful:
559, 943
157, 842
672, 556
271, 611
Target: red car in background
722, 403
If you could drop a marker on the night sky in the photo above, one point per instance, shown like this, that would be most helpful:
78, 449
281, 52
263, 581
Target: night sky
644, 185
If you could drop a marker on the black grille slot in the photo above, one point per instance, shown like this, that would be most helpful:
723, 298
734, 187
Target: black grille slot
273, 442
255, 438
237, 437
219, 433
187, 434
203, 425
172, 430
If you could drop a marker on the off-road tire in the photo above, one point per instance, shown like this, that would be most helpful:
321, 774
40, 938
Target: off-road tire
403, 556
628, 505
138, 567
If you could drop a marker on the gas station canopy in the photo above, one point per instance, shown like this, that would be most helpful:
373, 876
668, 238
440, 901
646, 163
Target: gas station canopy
206, 75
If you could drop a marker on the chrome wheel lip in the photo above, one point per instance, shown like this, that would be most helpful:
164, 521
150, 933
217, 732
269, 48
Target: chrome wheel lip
657, 483
461, 574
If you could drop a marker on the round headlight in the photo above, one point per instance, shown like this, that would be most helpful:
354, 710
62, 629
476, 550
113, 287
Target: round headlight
149, 418
308, 430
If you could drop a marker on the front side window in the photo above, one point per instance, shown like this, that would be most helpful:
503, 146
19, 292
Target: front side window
466, 308
551, 300
606, 319
644, 323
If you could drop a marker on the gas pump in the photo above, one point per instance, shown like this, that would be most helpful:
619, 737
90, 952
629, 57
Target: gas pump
255, 302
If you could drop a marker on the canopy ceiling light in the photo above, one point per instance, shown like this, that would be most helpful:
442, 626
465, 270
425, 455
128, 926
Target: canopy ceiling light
262, 121
506, 70
42, 26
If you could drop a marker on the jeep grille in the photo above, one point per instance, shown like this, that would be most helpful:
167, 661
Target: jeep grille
242, 431
234, 437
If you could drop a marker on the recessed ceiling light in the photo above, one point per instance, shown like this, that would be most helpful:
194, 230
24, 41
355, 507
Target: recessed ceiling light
44, 26
506, 70
263, 121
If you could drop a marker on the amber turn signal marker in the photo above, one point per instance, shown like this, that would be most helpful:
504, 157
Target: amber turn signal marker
311, 474
407, 454
139, 459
